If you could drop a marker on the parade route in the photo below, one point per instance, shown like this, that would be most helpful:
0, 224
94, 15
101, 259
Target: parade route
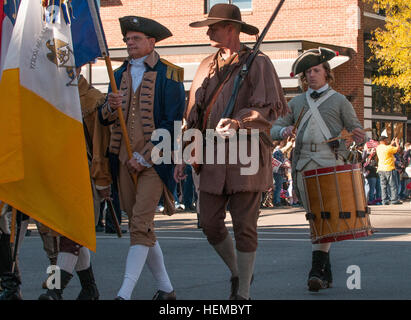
382, 261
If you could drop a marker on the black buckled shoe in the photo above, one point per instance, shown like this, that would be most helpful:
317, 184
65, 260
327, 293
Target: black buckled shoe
316, 279
315, 283
52, 294
88, 285
162, 295
10, 283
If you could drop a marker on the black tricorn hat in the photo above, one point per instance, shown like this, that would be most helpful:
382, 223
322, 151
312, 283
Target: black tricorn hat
225, 12
311, 58
145, 25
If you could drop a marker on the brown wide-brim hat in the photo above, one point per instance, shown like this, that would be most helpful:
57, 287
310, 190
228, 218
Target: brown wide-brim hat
225, 12
311, 58
147, 26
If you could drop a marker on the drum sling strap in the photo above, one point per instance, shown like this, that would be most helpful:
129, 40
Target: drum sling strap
313, 111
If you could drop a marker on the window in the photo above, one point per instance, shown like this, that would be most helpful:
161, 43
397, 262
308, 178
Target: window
242, 4
387, 100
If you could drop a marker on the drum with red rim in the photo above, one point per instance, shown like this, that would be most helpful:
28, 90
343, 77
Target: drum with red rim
337, 204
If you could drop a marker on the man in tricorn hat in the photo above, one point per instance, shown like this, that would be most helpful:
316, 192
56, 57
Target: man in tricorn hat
334, 114
260, 101
151, 95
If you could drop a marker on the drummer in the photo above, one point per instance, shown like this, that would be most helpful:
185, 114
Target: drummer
316, 126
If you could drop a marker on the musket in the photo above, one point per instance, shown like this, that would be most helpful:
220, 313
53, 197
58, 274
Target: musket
239, 79
297, 123
113, 216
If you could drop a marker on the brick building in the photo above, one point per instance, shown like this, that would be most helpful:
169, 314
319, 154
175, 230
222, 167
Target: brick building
342, 25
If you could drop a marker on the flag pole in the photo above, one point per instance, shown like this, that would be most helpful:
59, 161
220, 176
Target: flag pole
98, 26
13, 224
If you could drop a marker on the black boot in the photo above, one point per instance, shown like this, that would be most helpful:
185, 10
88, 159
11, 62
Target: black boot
57, 294
316, 279
327, 272
10, 283
5, 254
88, 285
162, 295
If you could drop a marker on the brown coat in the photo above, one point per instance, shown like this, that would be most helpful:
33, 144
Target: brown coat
260, 101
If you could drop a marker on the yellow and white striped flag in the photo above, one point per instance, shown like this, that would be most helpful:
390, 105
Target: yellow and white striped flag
43, 164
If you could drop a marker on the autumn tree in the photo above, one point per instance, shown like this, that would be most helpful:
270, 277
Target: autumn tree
391, 46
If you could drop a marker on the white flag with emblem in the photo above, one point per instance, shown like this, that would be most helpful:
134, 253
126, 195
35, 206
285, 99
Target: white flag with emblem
43, 165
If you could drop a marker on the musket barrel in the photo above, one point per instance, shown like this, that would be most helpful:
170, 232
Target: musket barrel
244, 70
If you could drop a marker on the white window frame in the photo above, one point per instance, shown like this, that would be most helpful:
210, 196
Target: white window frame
207, 5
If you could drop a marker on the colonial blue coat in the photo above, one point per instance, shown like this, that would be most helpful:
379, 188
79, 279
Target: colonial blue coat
161, 100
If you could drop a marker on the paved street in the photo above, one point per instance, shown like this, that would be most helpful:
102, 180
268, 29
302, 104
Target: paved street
282, 265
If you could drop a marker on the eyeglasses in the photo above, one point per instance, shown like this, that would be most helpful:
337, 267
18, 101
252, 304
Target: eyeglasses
134, 38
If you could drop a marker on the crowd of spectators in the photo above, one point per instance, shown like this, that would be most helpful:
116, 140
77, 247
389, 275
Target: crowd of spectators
390, 173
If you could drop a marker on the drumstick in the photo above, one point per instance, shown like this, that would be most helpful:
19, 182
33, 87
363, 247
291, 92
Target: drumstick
345, 136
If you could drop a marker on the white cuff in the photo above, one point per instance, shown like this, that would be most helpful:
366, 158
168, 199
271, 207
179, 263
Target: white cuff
141, 160
101, 187
109, 108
